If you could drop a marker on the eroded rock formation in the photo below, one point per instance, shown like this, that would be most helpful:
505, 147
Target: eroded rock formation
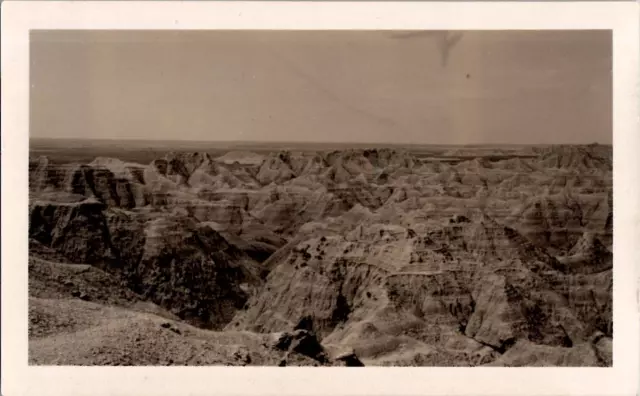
352, 257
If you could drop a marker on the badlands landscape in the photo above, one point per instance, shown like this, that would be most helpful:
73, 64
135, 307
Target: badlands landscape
290, 255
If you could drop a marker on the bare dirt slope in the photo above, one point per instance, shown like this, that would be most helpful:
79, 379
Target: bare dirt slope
347, 257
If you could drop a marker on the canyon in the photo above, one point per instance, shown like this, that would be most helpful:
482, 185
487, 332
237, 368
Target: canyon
313, 256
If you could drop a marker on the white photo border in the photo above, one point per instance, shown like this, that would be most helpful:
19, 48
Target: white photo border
19, 17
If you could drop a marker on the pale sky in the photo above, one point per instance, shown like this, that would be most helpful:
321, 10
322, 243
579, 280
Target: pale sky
525, 87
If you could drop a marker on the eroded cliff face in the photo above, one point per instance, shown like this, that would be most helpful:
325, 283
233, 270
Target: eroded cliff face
78, 231
169, 259
473, 279
345, 257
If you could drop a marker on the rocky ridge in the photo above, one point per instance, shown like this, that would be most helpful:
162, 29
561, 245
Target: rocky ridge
374, 257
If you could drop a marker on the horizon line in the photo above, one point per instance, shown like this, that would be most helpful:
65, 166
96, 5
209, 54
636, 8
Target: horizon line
275, 142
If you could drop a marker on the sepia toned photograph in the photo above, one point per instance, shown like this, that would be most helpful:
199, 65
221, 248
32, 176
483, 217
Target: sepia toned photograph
320, 198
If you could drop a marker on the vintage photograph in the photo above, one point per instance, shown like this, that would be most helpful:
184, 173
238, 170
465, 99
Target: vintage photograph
320, 198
